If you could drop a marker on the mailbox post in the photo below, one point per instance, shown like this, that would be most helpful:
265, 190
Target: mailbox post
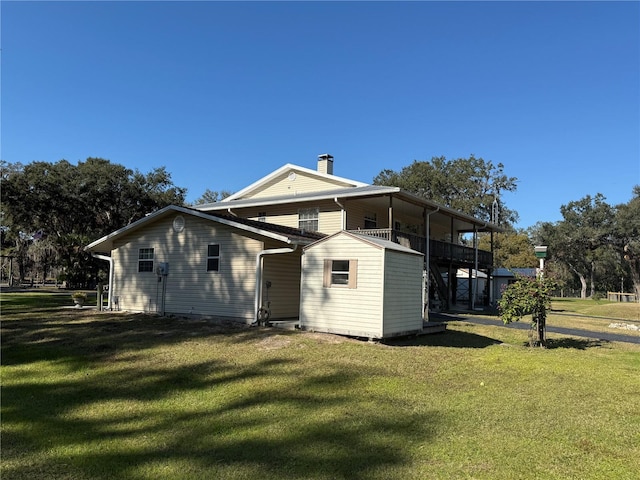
541, 253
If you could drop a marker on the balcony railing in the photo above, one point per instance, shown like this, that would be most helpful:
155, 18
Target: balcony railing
437, 249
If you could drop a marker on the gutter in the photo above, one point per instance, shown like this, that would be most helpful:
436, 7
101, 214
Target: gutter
111, 263
258, 294
343, 219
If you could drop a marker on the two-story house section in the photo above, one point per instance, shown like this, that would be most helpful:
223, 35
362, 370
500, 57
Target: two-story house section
319, 201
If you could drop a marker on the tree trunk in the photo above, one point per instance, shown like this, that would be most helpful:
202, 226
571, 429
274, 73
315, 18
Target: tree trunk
592, 280
540, 332
542, 340
635, 276
583, 281
583, 288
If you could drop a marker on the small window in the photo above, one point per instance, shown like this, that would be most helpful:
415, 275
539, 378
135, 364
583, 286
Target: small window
145, 260
308, 219
213, 258
370, 221
262, 216
340, 273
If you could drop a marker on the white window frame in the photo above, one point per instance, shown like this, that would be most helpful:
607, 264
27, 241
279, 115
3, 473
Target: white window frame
340, 273
146, 257
309, 219
211, 257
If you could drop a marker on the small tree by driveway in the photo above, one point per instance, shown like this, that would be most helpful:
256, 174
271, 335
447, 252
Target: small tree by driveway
528, 296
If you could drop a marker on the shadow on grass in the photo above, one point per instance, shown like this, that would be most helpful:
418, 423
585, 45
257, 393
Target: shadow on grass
449, 338
92, 336
577, 343
89, 395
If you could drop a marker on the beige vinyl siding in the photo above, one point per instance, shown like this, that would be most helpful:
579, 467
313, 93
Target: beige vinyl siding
300, 183
285, 215
403, 293
356, 211
190, 288
330, 221
343, 310
283, 271
329, 218
440, 232
386, 300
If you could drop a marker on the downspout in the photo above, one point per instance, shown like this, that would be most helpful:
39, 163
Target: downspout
427, 254
343, 214
111, 263
230, 212
490, 278
391, 232
259, 255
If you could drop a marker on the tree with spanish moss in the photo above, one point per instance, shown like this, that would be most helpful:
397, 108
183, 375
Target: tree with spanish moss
63, 206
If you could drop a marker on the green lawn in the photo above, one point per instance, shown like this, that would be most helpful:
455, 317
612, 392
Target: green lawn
597, 308
594, 315
89, 395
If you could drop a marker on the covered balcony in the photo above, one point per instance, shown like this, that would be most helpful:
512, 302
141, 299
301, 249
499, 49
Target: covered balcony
439, 251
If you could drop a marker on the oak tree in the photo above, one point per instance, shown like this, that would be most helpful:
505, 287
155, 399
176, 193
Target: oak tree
471, 185
70, 205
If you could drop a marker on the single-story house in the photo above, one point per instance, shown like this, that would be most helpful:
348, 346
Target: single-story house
181, 260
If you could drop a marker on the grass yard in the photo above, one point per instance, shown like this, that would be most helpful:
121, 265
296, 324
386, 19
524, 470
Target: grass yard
597, 308
593, 315
89, 395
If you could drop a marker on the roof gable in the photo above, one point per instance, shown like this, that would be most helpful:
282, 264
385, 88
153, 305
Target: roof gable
290, 180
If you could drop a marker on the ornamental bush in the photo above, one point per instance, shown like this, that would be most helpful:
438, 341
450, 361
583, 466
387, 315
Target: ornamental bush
528, 296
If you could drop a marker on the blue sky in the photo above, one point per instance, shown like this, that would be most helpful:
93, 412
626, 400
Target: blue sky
223, 93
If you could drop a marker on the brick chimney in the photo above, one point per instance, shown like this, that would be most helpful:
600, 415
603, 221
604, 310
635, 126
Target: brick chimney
325, 163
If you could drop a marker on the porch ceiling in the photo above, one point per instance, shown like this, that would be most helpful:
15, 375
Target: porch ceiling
443, 216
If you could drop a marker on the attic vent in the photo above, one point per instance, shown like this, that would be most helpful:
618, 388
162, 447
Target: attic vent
325, 163
178, 224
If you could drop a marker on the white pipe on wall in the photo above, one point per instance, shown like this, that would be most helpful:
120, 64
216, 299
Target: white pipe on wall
343, 215
111, 263
258, 295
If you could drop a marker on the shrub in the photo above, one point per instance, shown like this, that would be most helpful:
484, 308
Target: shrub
528, 296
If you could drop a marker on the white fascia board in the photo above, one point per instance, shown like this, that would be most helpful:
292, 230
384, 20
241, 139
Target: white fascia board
307, 197
129, 228
284, 169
